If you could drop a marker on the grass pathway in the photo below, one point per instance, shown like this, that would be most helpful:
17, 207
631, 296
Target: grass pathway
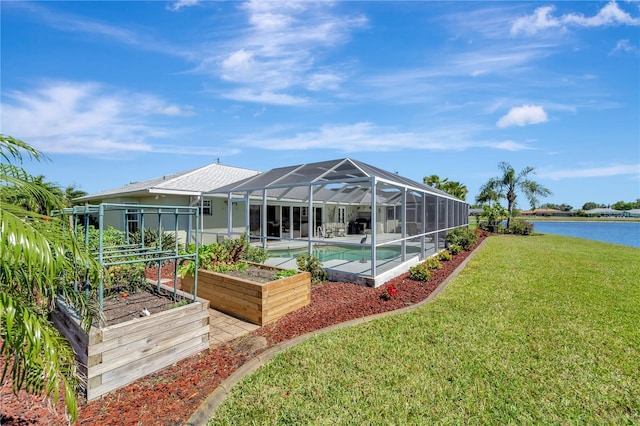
542, 329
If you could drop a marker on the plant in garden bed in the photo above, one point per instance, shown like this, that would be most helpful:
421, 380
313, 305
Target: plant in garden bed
433, 263
464, 237
230, 255
445, 256
455, 249
312, 264
125, 278
419, 272
389, 292
284, 274
521, 227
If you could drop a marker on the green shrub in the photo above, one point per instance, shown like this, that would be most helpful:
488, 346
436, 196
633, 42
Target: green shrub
151, 238
255, 254
111, 237
312, 264
284, 274
445, 256
455, 249
464, 237
419, 272
492, 217
240, 249
183, 302
521, 227
125, 278
229, 255
433, 263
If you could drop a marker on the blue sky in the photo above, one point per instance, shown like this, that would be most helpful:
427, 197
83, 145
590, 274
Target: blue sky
116, 92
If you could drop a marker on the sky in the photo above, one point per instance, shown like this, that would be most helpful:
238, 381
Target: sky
120, 92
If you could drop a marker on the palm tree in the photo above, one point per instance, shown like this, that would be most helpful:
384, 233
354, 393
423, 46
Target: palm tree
434, 181
488, 195
507, 185
456, 189
38, 201
39, 257
449, 186
71, 193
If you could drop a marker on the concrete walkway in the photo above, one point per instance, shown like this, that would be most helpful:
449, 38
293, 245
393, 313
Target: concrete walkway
223, 328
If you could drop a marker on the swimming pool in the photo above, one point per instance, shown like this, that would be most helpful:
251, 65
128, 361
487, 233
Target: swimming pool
329, 252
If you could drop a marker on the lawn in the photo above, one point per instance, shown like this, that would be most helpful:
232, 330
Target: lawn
540, 329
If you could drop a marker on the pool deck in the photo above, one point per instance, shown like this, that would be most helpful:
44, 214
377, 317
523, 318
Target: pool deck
351, 271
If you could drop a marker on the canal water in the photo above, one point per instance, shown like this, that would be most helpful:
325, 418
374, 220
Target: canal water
625, 233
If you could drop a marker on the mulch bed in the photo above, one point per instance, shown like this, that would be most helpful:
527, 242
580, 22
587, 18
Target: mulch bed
170, 396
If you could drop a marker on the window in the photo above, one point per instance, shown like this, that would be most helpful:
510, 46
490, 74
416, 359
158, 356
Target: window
342, 213
206, 208
132, 219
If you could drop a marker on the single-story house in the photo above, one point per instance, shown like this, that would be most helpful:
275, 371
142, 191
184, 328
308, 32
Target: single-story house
369, 224
604, 212
545, 212
632, 213
179, 189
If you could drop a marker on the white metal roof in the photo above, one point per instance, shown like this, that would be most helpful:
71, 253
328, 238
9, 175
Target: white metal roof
189, 182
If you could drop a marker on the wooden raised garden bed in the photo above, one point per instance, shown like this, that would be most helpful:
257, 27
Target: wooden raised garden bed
111, 357
258, 303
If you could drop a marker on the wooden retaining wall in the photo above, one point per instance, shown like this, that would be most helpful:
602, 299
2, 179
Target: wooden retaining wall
111, 357
259, 303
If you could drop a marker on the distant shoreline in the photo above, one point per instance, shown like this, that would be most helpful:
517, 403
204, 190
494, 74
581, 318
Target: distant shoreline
577, 219
472, 219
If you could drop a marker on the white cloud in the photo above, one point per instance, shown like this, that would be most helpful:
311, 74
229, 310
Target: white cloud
264, 97
609, 15
522, 116
82, 25
542, 19
369, 137
539, 20
71, 117
614, 170
508, 146
281, 51
624, 46
324, 81
175, 6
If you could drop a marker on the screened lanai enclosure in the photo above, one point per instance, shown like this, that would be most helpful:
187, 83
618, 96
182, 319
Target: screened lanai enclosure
365, 224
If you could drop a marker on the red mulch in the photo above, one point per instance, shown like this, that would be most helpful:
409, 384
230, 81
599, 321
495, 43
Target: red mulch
170, 396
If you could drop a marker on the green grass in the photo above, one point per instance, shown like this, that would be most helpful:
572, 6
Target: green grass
535, 330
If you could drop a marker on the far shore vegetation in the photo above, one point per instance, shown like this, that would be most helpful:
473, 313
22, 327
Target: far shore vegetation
535, 330
576, 219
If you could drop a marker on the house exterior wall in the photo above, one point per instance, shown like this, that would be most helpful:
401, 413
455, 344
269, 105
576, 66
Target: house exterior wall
214, 224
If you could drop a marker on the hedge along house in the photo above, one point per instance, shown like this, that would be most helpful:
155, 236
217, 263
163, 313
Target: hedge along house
180, 189
365, 224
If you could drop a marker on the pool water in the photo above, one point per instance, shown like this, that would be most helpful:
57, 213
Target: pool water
351, 254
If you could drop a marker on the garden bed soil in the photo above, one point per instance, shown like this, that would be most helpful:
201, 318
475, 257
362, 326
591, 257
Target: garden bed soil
122, 307
170, 396
125, 307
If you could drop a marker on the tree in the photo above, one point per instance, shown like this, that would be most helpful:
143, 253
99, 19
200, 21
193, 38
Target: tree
488, 195
591, 205
38, 201
39, 258
562, 207
623, 205
509, 183
454, 188
71, 193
